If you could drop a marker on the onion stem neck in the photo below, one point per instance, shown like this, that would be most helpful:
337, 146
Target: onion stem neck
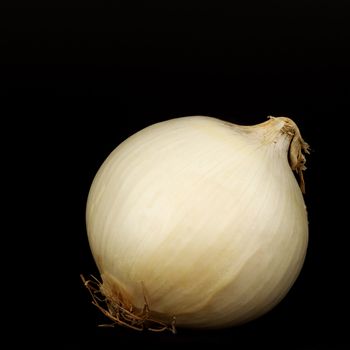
297, 146
284, 133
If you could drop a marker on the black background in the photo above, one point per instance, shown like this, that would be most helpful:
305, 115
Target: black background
78, 79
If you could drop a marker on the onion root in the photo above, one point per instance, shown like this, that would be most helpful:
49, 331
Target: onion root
120, 311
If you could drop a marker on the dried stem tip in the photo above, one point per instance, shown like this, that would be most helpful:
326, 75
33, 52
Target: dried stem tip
297, 148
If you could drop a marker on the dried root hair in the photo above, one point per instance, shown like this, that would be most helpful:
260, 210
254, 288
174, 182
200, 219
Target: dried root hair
121, 312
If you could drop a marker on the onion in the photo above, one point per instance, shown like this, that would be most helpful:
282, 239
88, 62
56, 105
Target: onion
198, 221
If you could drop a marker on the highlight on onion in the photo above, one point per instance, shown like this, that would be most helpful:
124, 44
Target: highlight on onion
197, 222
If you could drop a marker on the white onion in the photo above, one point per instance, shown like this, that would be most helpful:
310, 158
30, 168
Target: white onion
200, 220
